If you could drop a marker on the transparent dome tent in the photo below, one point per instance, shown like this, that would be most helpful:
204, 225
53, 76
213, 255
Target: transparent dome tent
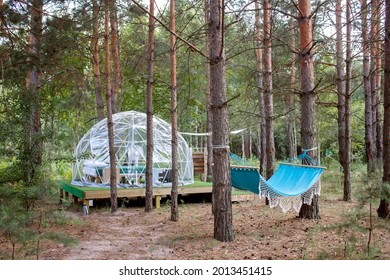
91, 165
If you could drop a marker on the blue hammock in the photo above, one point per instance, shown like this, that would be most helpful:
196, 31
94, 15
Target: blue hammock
288, 180
245, 178
293, 179
291, 185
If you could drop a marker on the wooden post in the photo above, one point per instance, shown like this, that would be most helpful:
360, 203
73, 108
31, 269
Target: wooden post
66, 196
158, 198
205, 171
86, 206
86, 203
75, 199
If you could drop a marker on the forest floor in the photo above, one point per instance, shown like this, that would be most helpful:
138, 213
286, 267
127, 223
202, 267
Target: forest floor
260, 233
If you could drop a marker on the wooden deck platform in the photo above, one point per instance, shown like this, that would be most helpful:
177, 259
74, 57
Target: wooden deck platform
86, 195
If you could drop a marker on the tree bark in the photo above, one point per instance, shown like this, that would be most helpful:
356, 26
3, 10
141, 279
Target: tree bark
222, 203
260, 91
34, 78
209, 124
246, 152
341, 106
373, 70
1, 15
268, 96
149, 112
379, 127
174, 191
369, 137
384, 208
96, 60
110, 124
340, 83
291, 130
308, 95
348, 77
376, 64
32, 98
115, 56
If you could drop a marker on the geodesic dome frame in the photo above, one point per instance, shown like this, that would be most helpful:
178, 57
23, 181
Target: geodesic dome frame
91, 166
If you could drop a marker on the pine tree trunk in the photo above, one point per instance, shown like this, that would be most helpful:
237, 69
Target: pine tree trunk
341, 93
34, 86
348, 77
376, 74
209, 124
250, 143
374, 51
369, 136
1, 16
222, 203
308, 96
384, 208
32, 98
96, 60
260, 92
110, 124
291, 136
379, 128
340, 83
174, 191
268, 96
247, 143
311, 211
149, 112
115, 56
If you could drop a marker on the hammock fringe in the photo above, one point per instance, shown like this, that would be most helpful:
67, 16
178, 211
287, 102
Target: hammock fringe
287, 203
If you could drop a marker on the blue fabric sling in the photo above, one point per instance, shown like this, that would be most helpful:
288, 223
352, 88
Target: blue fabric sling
291, 185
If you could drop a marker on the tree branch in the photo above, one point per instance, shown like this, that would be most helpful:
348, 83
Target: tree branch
297, 7
282, 114
231, 99
285, 13
170, 31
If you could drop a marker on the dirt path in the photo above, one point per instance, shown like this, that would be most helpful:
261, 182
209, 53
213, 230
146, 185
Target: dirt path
128, 234
260, 233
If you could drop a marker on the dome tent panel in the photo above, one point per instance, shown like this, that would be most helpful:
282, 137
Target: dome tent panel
91, 164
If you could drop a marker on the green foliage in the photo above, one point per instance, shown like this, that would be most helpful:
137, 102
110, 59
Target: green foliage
10, 173
28, 230
385, 191
358, 225
370, 190
14, 220
68, 107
